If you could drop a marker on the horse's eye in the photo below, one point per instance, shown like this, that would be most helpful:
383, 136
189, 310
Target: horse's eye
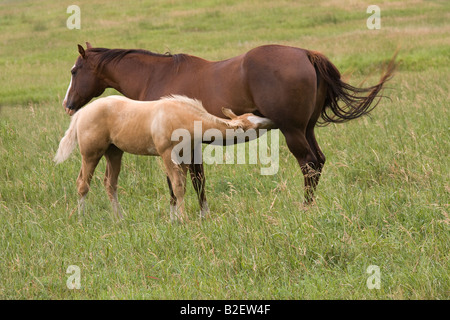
73, 72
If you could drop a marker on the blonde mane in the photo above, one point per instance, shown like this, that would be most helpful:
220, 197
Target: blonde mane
197, 107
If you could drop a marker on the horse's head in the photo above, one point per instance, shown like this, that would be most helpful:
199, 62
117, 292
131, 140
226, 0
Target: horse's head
248, 121
84, 83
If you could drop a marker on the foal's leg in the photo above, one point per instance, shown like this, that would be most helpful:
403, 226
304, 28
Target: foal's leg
88, 165
300, 148
113, 162
177, 179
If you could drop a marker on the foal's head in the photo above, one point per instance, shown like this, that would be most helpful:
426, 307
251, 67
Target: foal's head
84, 83
248, 121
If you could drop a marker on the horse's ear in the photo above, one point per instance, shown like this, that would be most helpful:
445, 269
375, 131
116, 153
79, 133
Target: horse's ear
81, 51
88, 45
230, 114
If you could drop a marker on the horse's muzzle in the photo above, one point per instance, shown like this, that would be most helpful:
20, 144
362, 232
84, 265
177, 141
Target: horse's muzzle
70, 110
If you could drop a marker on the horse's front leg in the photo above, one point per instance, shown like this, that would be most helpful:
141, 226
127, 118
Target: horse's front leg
173, 199
198, 181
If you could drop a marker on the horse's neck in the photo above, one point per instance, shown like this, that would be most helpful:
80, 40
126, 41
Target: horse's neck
134, 81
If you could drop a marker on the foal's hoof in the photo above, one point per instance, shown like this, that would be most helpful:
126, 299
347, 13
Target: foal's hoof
177, 221
178, 218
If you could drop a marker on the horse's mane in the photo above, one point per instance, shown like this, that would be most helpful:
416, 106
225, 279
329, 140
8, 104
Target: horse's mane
115, 55
197, 107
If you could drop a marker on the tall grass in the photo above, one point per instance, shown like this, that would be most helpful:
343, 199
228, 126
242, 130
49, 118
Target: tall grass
382, 200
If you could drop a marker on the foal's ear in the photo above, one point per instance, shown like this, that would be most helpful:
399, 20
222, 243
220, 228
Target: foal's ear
81, 51
230, 114
88, 45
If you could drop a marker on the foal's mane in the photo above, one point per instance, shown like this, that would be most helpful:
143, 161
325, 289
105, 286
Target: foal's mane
197, 107
115, 55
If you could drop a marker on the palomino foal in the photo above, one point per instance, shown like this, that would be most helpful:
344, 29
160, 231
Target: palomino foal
113, 125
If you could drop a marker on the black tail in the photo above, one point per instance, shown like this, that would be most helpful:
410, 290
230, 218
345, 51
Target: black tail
356, 101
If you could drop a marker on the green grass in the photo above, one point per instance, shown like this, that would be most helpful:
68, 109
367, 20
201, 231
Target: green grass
383, 198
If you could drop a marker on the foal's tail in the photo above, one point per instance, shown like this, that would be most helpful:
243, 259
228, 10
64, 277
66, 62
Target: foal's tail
68, 142
357, 101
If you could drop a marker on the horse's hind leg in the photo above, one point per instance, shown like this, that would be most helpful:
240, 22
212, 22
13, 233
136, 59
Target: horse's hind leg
113, 157
88, 165
310, 136
306, 158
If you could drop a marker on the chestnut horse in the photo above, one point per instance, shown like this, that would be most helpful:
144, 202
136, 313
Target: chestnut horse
113, 125
293, 87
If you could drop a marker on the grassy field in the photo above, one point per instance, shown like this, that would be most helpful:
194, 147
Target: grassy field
383, 198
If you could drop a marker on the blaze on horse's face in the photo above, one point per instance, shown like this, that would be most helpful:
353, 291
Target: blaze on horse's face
84, 84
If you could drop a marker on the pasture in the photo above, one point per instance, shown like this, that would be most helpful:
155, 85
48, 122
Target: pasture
383, 198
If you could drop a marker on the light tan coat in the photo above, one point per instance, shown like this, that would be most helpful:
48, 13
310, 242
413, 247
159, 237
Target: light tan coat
112, 125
